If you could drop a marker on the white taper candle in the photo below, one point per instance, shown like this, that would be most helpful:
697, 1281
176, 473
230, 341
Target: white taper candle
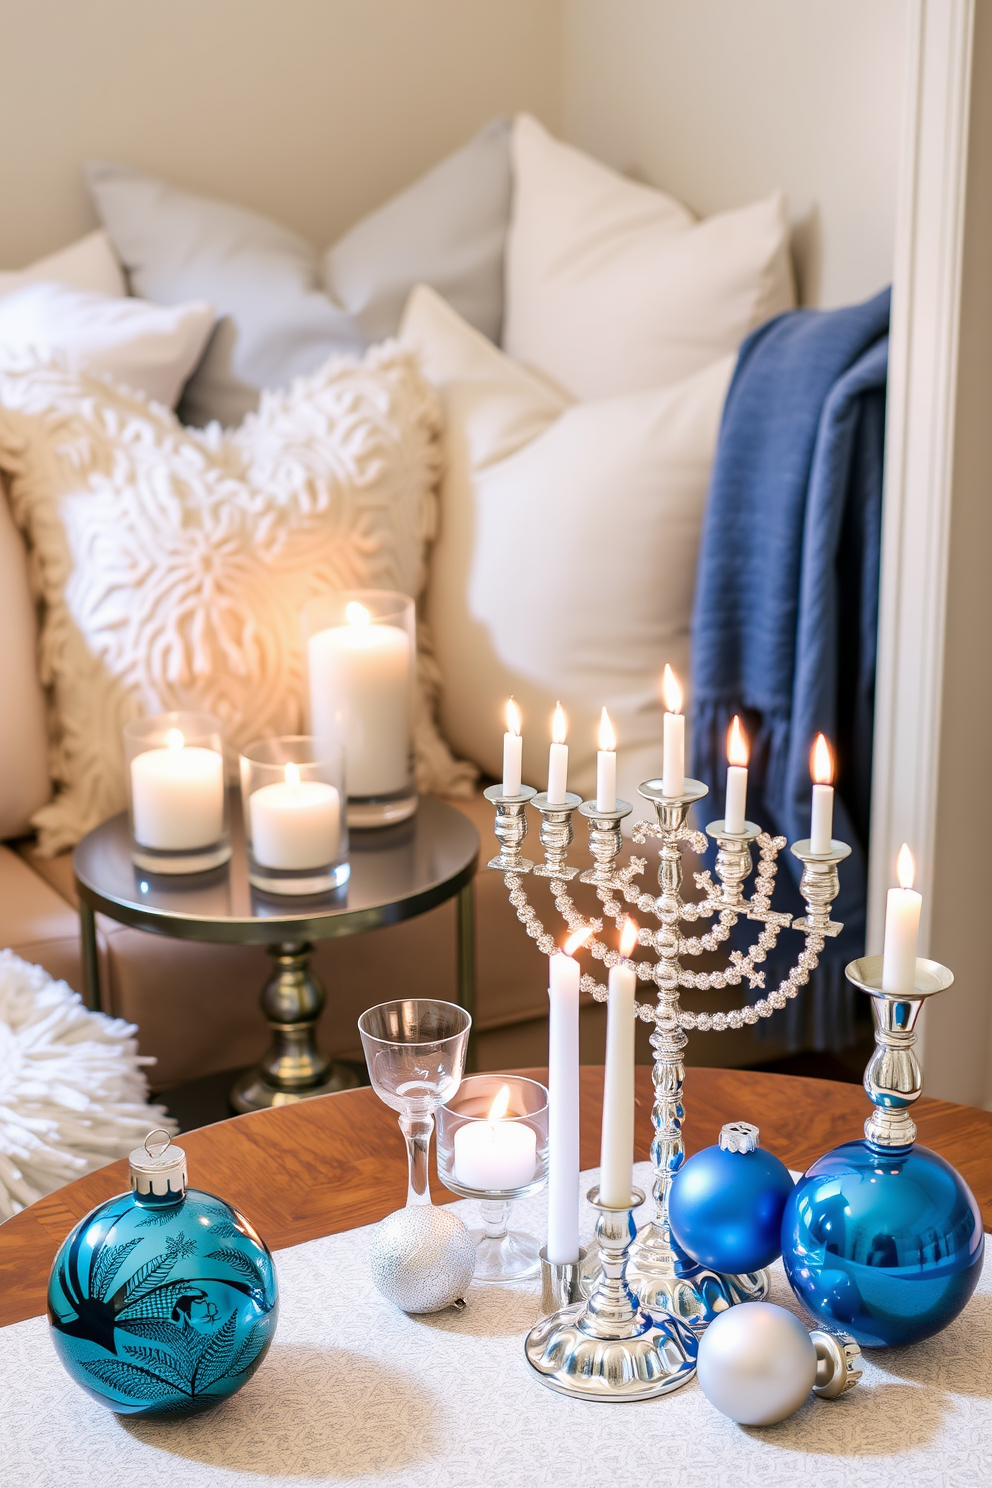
902, 928
617, 1143
563, 1110
673, 774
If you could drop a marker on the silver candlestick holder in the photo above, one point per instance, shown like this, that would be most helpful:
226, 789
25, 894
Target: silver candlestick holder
661, 1276
609, 1347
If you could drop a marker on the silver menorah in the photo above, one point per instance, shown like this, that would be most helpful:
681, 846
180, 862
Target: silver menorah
659, 1274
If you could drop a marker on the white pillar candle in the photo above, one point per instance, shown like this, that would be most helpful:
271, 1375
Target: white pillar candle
513, 748
822, 819
617, 1148
558, 760
673, 775
177, 796
496, 1155
360, 681
295, 823
563, 1110
902, 928
735, 809
606, 766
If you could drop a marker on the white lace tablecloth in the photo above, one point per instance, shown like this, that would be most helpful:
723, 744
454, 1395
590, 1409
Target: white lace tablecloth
354, 1391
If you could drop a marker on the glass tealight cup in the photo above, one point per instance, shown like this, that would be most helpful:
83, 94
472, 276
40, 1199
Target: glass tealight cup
296, 829
177, 801
361, 651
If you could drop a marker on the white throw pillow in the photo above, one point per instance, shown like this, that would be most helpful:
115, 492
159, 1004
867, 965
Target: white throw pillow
151, 349
565, 561
613, 287
88, 264
172, 564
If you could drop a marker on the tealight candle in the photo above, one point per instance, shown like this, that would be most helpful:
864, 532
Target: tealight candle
360, 681
513, 746
822, 819
177, 796
558, 760
617, 1146
902, 928
673, 775
295, 823
606, 766
563, 1105
496, 1155
735, 808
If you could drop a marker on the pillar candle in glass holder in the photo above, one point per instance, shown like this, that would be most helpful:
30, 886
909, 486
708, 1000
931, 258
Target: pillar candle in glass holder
360, 680
617, 1149
902, 928
177, 796
673, 776
606, 766
563, 1105
558, 759
822, 820
295, 823
735, 809
513, 745
495, 1155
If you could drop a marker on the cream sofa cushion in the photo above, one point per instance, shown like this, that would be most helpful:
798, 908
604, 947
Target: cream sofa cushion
614, 287
88, 264
566, 556
172, 564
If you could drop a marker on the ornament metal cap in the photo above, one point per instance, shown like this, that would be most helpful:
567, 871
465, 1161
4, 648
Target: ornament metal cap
158, 1168
739, 1136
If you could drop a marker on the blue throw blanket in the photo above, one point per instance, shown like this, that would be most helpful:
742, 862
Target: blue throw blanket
786, 605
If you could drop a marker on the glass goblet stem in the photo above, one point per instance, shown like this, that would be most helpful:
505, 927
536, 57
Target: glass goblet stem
495, 1217
417, 1128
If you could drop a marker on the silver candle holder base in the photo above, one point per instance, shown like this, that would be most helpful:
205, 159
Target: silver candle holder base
510, 828
609, 1347
605, 842
561, 1282
556, 835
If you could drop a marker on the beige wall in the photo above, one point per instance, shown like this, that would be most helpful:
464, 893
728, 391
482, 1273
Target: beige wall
311, 110
720, 101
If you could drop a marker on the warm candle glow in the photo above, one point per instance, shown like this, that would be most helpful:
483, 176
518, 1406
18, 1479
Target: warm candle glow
628, 938
905, 867
174, 739
357, 614
512, 717
737, 750
500, 1105
671, 691
559, 726
576, 939
292, 774
607, 738
821, 764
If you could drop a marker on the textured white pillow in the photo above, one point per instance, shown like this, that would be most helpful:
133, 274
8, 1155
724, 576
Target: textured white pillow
613, 287
88, 264
172, 564
151, 349
565, 561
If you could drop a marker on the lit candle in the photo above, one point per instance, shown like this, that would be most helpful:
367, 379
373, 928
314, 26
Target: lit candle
606, 766
495, 1155
513, 748
617, 1149
177, 796
558, 760
822, 770
360, 689
902, 928
295, 823
737, 753
563, 1105
673, 778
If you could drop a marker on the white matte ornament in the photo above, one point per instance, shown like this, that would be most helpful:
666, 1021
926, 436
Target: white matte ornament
422, 1258
756, 1364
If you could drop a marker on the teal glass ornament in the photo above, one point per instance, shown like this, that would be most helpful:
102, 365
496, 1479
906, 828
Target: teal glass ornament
162, 1301
726, 1203
882, 1237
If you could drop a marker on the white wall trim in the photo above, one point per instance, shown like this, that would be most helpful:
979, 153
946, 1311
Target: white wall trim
920, 431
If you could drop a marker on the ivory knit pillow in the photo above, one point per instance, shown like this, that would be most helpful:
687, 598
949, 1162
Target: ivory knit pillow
172, 564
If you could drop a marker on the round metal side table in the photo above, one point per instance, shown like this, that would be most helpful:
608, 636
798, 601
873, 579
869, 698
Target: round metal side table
396, 873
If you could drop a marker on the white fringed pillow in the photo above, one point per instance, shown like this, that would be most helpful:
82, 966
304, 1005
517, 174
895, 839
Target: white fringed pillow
172, 564
72, 1091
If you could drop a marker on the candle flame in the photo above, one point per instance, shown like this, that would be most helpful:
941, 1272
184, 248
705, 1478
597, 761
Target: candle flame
671, 691
607, 737
559, 726
821, 762
513, 717
737, 748
628, 938
357, 614
905, 867
576, 939
174, 739
292, 773
500, 1105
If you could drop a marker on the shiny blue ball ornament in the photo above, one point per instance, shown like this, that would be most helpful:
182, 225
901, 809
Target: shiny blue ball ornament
162, 1301
725, 1204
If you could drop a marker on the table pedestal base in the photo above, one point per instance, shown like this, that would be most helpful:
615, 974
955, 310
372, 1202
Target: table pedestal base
293, 1069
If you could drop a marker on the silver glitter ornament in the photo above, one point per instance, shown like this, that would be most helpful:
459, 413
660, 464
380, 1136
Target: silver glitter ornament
422, 1258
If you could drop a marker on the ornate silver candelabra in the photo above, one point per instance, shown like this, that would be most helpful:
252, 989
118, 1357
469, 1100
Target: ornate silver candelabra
661, 1277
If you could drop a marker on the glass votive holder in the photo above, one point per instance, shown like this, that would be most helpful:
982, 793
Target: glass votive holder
177, 800
492, 1145
293, 795
361, 650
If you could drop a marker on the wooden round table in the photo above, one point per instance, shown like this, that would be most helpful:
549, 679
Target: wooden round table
338, 1161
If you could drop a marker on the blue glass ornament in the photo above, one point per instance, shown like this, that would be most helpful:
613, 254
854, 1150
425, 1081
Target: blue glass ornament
883, 1237
726, 1202
162, 1301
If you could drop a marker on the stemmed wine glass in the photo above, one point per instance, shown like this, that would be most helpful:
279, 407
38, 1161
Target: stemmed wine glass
415, 1050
